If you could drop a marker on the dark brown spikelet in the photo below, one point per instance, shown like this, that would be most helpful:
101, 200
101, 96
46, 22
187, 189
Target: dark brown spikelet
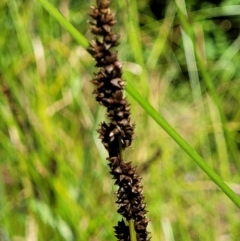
122, 231
118, 133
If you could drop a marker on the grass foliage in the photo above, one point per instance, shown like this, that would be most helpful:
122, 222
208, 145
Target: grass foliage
54, 180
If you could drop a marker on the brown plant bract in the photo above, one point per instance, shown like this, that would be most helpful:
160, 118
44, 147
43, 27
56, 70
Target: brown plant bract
117, 134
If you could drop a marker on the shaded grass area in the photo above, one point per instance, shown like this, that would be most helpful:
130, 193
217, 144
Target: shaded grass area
54, 177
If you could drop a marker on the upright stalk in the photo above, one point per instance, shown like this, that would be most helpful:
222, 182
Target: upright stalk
116, 135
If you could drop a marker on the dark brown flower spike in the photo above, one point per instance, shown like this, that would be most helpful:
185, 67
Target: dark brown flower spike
118, 133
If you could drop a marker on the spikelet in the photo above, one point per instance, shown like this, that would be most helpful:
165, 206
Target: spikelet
118, 133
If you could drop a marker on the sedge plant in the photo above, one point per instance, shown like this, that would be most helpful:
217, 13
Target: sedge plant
47, 117
116, 135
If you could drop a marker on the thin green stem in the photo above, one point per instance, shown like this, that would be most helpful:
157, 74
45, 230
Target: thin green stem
183, 144
65, 23
133, 236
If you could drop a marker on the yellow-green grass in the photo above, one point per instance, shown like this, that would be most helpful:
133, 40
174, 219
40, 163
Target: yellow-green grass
55, 183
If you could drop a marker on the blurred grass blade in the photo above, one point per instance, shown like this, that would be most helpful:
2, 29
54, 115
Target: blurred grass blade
204, 71
163, 33
188, 47
151, 111
134, 35
64, 22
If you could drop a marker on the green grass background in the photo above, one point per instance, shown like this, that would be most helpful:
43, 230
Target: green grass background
54, 179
